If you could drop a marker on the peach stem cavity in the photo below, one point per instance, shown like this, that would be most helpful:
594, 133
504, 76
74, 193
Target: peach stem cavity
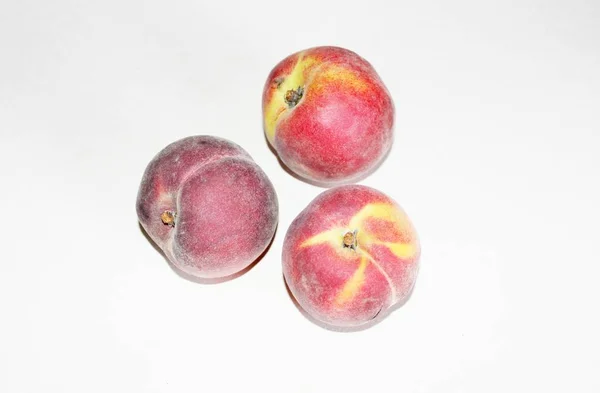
293, 96
350, 240
168, 218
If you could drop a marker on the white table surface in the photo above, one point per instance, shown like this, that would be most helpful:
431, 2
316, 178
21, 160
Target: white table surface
496, 160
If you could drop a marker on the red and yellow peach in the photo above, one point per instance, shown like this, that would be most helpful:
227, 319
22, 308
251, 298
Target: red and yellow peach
328, 115
349, 255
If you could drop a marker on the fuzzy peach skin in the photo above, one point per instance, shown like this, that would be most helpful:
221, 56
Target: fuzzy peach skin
349, 255
328, 115
208, 206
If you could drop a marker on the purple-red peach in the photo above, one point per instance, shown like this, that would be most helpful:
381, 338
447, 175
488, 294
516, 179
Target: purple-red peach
208, 206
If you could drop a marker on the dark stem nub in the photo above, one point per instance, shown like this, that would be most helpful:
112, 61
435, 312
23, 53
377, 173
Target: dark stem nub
350, 240
292, 97
168, 218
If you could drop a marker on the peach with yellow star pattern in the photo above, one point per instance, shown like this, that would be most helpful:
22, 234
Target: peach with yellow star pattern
350, 255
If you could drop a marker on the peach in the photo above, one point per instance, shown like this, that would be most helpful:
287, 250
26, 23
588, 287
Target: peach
328, 115
208, 206
350, 255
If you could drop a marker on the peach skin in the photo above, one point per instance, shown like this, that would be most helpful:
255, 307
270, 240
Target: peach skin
349, 255
328, 115
208, 206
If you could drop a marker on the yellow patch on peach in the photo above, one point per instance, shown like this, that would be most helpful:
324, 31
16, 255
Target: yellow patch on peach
353, 285
277, 107
334, 73
331, 236
335, 238
401, 250
300, 76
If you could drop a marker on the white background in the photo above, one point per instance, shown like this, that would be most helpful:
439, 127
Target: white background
496, 160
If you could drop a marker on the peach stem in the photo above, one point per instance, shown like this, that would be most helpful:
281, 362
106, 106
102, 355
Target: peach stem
168, 218
292, 97
350, 240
